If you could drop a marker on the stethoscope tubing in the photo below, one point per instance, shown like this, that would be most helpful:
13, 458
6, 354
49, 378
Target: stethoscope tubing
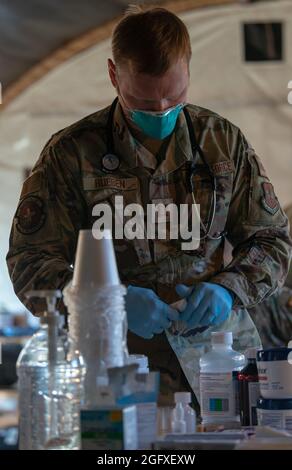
195, 148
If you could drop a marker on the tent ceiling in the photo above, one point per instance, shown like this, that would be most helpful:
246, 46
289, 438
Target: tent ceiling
31, 30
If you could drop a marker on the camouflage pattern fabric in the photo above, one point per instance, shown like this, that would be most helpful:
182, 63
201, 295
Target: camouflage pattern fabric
273, 316
273, 319
69, 179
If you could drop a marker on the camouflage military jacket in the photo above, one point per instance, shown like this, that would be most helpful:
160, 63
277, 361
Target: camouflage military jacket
70, 178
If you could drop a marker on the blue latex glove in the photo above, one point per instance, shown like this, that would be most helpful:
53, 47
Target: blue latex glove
146, 313
207, 304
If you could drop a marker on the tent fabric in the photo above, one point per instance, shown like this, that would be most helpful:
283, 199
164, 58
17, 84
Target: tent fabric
31, 30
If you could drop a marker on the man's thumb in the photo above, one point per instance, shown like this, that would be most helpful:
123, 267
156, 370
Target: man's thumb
182, 290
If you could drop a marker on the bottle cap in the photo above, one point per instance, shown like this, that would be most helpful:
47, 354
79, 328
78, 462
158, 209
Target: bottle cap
182, 397
142, 362
51, 314
222, 337
251, 353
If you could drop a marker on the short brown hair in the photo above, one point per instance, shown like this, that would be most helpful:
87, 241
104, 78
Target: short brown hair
151, 39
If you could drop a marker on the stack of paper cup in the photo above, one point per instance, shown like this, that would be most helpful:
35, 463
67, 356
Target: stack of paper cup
95, 261
95, 301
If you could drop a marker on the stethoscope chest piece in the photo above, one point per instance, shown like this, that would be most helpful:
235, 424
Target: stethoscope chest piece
110, 162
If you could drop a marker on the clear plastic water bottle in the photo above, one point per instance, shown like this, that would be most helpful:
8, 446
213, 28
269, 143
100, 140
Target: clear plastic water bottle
217, 387
51, 373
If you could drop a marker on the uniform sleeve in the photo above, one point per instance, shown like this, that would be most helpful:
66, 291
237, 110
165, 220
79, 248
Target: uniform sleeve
258, 230
45, 226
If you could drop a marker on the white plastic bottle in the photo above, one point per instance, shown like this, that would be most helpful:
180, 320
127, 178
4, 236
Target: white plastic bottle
183, 417
146, 405
217, 391
178, 423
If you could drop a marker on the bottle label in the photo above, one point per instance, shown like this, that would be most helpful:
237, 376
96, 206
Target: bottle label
275, 378
281, 419
236, 392
217, 395
26, 409
253, 396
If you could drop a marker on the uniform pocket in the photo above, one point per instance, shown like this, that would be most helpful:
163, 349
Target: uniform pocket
103, 189
113, 194
204, 195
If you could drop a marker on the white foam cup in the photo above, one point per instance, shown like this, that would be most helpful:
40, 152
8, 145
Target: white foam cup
95, 261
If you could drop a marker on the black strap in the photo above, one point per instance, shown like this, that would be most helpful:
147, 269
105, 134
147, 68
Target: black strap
109, 127
195, 146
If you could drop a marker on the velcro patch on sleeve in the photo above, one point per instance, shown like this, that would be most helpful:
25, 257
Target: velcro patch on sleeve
260, 166
31, 184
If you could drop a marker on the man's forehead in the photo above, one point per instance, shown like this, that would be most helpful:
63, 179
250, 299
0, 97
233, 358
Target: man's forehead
170, 84
157, 91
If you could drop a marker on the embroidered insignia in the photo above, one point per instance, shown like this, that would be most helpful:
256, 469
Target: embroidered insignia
30, 215
269, 199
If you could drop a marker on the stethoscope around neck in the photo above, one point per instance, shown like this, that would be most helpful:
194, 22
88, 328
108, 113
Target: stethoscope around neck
110, 154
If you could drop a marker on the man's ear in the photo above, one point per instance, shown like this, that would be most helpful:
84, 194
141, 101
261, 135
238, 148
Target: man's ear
112, 72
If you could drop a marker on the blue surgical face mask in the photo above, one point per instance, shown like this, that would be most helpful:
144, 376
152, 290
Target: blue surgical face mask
157, 125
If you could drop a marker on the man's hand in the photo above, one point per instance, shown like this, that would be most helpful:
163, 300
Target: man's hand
146, 313
207, 304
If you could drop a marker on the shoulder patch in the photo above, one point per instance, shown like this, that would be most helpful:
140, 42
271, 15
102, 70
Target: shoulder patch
30, 215
269, 199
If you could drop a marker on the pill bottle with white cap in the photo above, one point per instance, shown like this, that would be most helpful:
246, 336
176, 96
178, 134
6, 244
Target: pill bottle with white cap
183, 416
218, 368
276, 413
275, 372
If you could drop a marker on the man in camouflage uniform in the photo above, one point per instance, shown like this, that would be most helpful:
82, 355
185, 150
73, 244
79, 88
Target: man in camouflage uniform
71, 176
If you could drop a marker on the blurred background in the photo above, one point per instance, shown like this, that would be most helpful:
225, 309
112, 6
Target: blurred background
53, 71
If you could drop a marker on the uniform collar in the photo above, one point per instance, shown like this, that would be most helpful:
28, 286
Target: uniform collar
134, 154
